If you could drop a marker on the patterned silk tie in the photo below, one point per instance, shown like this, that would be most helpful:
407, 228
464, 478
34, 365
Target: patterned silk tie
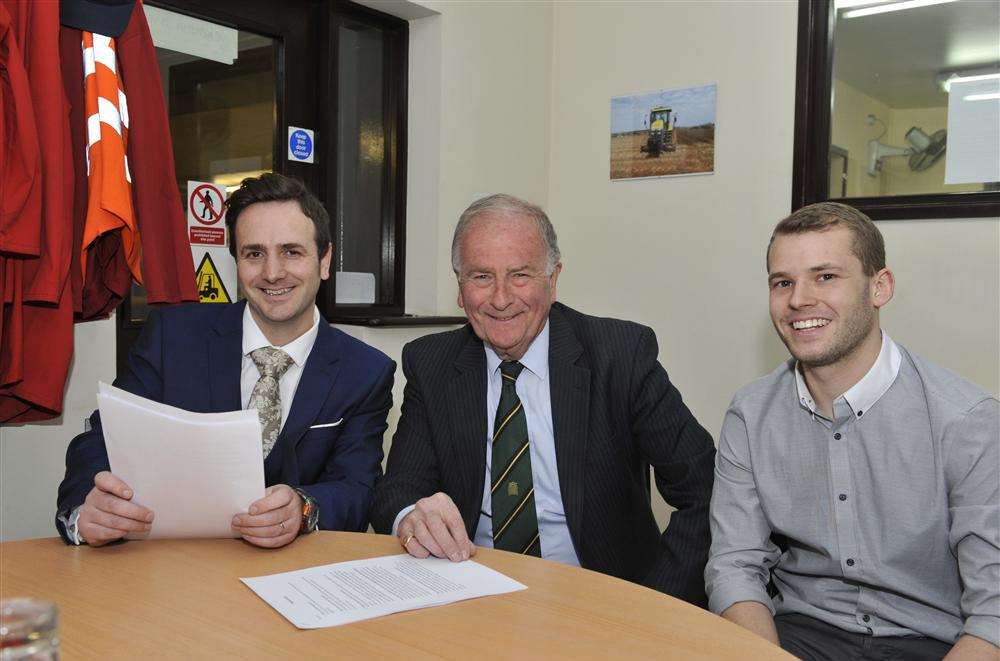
515, 526
266, 397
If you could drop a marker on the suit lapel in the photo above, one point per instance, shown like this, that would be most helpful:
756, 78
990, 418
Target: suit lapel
319, 377
225, 356
569, 392
466, 400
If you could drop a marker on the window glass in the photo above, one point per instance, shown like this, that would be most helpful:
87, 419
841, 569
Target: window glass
899, 118
362, 219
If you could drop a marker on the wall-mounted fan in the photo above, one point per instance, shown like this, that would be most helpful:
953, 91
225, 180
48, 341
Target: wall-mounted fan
924, 150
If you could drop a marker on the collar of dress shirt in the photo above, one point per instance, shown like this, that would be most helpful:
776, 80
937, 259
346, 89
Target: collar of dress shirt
863, 394
298, 349
535, 359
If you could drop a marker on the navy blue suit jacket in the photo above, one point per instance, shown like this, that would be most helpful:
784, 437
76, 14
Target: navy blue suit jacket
190, 357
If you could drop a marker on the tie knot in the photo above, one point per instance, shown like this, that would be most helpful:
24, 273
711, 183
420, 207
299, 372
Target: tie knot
270, 361
510, 369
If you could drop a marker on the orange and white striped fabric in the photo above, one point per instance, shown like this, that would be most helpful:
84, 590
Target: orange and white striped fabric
109, 203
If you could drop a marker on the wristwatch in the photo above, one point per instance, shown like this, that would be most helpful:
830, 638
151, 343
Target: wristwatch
310, 512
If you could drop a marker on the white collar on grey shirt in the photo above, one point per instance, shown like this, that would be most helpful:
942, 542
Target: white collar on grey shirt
863, 394
298, 349
535, 359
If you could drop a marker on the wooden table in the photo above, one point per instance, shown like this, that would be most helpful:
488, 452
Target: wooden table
183, 599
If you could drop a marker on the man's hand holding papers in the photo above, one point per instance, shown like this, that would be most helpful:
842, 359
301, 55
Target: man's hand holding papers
272, 521
108, 515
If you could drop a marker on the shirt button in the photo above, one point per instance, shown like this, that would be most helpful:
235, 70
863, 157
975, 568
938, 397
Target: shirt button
842, 496
860, 413
867, 618
850, 562
837, 436
870, 632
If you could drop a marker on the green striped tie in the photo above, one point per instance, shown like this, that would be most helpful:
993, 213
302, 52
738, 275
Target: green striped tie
515, 527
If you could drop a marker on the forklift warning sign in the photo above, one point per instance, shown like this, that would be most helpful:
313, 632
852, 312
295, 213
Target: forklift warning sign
210, 286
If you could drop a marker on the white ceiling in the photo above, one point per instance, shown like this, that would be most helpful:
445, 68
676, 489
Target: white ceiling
895, 57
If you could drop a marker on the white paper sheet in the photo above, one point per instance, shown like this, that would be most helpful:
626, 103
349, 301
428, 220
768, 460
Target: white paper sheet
973, 154
194, 470
344, 592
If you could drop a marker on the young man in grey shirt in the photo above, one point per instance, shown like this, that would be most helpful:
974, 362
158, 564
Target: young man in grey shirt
856, 511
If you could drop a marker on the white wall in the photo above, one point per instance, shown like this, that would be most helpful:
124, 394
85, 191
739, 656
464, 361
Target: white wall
684, 254
515, 97
32, 457
495, 90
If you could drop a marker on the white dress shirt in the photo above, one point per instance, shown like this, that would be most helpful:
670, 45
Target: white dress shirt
533, 391
863, 394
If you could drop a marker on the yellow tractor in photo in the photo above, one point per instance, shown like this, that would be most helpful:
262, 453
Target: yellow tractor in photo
661, 132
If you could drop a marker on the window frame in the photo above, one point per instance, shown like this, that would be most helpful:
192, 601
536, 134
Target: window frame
393, 221
811, 158
305, 88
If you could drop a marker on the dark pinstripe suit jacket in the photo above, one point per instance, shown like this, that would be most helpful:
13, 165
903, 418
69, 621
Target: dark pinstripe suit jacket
614, 411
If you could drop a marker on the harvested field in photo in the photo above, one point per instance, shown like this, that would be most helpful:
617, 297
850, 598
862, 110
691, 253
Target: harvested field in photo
695, 153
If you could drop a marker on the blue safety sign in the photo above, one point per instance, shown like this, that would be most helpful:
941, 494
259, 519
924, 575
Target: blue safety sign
301, 143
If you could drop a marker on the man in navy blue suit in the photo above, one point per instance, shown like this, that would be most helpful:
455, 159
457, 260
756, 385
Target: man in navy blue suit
322, 396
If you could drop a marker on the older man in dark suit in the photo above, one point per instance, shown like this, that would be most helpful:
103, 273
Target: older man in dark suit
531, 429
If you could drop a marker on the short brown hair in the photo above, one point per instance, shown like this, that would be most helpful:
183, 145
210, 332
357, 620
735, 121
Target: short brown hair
274, 187
868, 246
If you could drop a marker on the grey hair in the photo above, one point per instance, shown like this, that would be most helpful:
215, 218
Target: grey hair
508, 206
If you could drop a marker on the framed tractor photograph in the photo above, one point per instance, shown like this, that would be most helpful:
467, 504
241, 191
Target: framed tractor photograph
664, 133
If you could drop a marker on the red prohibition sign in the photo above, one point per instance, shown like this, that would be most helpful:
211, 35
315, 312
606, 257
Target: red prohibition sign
205, 197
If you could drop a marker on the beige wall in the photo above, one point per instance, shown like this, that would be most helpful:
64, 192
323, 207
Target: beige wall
683, 255
849, 131
496, 83
515, 96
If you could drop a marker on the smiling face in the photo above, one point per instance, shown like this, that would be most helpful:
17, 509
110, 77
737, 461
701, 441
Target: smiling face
502, 284
823, 306
278, 268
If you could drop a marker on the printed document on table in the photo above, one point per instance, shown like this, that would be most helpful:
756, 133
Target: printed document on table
194, 470
344, 592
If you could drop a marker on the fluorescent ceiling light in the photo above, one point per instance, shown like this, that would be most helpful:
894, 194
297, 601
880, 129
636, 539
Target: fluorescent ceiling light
895, 6
946, 82
847, 4
981, 97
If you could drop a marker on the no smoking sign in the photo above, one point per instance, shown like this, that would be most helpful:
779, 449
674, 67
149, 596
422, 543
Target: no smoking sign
205, 207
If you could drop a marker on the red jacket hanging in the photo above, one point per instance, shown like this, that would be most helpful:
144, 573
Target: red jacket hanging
168, 269
37, 344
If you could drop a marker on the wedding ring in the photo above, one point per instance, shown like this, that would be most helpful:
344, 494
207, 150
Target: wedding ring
407, 540
282, 524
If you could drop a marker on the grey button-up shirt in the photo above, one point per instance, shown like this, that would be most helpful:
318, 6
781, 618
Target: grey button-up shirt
887, 516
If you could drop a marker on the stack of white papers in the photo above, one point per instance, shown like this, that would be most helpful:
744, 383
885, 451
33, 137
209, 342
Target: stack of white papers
362, 589
194, 470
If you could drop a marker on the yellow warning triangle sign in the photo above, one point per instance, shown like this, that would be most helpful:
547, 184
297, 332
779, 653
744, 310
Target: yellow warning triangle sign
210, 286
